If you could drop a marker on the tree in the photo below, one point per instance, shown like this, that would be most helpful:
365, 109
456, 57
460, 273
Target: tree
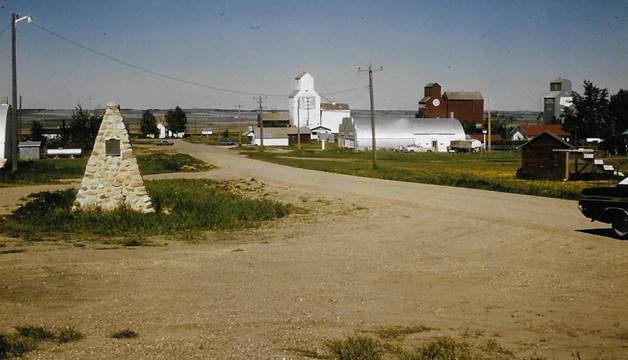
225, 135
148, 124
176, 120
618, 111
590, 116
37, 131
84, 127
499, 125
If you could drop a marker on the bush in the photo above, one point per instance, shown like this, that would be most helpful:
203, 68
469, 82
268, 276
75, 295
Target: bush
181, 206
354, 348
125, 334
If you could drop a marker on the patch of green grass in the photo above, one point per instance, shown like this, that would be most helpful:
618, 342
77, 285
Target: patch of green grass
399, 332
40, 333
181, 205
394, 346
213, 139
125, 334
68, 334
12, 251
159, 163
354, 348
442, 349
14, 345
37, 333
28, 336
488, 171
48, 170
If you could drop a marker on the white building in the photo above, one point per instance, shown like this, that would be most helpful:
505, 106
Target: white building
431, 134
274, 136
5, 140
304, 104
162, 130
332, 115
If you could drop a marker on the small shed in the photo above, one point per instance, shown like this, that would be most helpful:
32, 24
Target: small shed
294, 133
29, 150
539, 160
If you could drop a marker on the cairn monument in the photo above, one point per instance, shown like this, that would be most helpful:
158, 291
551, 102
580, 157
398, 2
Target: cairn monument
112, 178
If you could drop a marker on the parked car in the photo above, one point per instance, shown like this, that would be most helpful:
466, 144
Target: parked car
415, 148
608, 205
162, 142
227, 142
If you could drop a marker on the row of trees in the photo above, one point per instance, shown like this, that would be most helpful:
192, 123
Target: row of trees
595, 115
176, 121
81, 131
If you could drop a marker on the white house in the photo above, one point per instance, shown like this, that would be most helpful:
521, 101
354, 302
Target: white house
162, 130
5, 140
432, 134
274, 136
304, 104
321, 132
332, 115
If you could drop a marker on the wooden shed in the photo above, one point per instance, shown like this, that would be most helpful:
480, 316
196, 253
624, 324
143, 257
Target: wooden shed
540, 161
293, 135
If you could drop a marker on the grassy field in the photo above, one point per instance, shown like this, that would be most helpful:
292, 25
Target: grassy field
182, 206
150, 161
494, 171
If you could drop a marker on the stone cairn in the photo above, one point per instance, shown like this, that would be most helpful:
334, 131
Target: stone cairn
112, 178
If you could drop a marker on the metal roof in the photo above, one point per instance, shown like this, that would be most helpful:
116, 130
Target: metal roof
334, 106
404, 127
425, 100
29, 144
463, 95
294, 131
275, 115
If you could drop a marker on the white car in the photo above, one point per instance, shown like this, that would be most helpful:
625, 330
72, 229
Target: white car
415, 148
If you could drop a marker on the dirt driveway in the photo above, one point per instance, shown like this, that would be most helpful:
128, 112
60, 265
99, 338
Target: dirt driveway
530, 272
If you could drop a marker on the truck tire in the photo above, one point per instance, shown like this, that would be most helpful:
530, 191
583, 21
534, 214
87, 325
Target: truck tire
620, 225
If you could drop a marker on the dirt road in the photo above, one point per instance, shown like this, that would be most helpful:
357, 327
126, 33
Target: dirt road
530, 272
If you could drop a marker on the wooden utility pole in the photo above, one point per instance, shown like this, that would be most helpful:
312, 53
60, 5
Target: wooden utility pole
239, 126
490, 143
370, 70
14, 93
19, 121
261, 122
299, 123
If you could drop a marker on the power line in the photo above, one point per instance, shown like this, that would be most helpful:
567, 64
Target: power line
143, 69
5, 29
165, 76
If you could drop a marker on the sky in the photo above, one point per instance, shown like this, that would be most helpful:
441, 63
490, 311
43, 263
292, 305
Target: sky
508, 50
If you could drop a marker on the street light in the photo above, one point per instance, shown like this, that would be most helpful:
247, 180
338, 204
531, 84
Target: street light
14, 20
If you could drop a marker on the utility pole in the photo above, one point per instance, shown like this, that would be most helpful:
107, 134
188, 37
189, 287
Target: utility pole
370, 71
299, 123
19, 121
490, 143
261, 122
14, 95
239, 126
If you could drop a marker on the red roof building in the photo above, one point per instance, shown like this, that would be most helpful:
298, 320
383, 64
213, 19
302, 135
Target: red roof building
466, 106
526, 132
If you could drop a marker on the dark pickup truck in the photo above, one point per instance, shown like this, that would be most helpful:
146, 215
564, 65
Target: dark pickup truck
608, 205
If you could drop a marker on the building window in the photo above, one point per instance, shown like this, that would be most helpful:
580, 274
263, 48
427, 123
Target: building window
555, 86
112, 147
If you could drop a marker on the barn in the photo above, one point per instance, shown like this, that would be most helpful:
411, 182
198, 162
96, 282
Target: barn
6, 148
539, 160
432, 134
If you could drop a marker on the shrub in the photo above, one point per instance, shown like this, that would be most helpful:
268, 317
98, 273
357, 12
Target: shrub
181, 206
354, 348
125, 334
69, 334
